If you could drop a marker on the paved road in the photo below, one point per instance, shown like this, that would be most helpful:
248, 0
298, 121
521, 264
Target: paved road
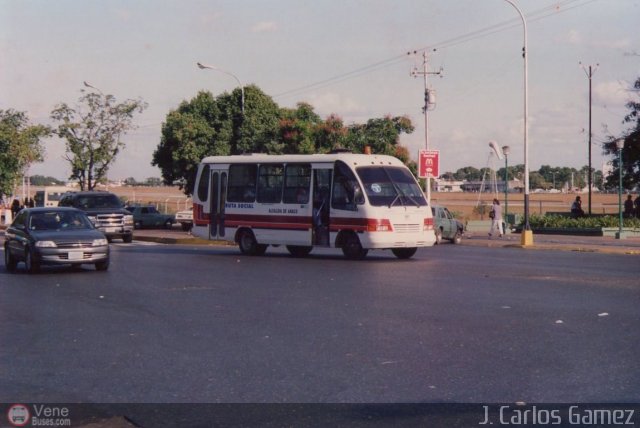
204, 324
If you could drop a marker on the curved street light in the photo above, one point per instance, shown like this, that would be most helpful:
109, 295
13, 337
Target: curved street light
213, 67
527, 234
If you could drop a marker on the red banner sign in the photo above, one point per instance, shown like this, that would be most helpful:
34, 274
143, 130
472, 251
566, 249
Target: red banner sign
429, 163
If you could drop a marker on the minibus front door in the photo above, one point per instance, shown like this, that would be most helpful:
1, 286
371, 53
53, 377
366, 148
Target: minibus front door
218, 199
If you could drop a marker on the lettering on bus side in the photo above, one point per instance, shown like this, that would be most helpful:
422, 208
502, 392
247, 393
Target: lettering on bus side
283, 211
238, 205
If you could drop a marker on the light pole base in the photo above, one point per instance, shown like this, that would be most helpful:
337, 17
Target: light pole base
526, 239
621, 235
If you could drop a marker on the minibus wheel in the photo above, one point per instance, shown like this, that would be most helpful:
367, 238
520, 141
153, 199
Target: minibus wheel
248, 244
404, 253
299, 250
352, 248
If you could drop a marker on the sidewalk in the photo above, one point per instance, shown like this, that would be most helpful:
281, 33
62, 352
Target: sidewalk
592, 244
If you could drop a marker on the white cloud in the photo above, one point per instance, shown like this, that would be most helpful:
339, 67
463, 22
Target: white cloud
331, 102
209, 18
573, 37
614, 94
613, 44
123, 14
265, 26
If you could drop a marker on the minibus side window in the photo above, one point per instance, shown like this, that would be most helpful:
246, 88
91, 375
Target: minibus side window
242, 183
297, 180
203, 184
347, 193
270, 179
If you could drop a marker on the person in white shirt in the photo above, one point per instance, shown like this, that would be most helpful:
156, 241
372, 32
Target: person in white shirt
496, 218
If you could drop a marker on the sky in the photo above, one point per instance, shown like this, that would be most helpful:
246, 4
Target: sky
344, 57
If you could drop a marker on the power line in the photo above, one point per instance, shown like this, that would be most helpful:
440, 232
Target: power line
559, 7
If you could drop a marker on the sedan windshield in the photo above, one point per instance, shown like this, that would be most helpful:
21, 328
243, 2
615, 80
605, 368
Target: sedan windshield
58, 220
385, 185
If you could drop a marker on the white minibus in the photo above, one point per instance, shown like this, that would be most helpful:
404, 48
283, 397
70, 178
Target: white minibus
49, 196
356, 202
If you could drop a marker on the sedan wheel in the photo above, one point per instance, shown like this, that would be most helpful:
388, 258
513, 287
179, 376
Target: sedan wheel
103, 265
30, 262
9, 261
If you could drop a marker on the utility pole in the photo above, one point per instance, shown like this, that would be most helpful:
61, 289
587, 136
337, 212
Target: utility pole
590, 72
429, 103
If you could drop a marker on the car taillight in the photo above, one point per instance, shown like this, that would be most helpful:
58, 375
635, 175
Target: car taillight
428, 224
379, 225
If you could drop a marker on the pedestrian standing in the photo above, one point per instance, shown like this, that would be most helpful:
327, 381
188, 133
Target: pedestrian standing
496, 218
636, 204
628, 207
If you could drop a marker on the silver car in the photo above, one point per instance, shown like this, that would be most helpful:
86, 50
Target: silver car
54, 236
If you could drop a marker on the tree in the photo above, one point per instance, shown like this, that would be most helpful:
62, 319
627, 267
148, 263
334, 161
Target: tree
297, 129
41, 180
93, 131
215, 126
468, 173
631, 149
19, 147
382, 135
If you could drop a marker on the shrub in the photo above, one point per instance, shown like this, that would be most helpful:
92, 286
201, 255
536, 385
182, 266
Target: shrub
560, 222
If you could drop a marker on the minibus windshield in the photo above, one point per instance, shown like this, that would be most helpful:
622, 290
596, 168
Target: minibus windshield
392, 186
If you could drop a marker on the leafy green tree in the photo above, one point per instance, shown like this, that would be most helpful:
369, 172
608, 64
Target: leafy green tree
330, 135
297, 129
258, 132
20, 146
214, 126
153, 182
631, 149
41, 180
200, 127
93, 131
382, 135
468, 173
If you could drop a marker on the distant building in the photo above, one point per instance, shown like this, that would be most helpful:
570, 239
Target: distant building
448, 185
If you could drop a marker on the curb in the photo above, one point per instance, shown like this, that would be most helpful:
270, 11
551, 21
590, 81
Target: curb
181, 241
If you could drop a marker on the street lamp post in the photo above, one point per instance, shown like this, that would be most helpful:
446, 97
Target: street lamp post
527, 234
620, 145
213, 67
505, 152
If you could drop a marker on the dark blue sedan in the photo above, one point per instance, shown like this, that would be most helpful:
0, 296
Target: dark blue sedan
54, 236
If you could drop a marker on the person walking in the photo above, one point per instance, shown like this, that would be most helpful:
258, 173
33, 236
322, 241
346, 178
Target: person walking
496, 218
636, 204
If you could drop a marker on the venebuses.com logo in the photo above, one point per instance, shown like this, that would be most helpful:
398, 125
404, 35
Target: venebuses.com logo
36, 415
18, 415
